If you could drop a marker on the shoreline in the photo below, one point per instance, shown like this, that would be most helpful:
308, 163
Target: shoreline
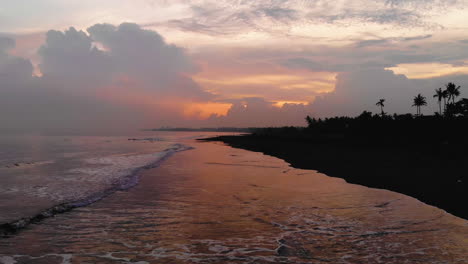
14, 226
418, 174
219, 204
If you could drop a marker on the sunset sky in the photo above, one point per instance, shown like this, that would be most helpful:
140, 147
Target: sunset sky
116, 64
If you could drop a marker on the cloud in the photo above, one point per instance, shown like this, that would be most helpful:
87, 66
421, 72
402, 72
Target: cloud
373, 54
359, 90
360, 82
355, 91
229, 18
417, 37
12, 68
422, 3
384, 16
110, 78
258, 112
278, 13
390, 41
139, 50
6, 44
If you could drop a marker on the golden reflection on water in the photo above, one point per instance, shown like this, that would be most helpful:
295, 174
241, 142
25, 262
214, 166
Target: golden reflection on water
216, 204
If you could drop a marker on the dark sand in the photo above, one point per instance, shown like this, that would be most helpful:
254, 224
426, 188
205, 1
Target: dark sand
435, 180
217, 204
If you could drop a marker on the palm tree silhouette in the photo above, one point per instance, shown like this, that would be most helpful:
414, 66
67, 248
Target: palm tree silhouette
381, 104
445, 96
440, 95
453, 91
419, 101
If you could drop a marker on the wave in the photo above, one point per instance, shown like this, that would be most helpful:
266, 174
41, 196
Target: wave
26, 164
122, 171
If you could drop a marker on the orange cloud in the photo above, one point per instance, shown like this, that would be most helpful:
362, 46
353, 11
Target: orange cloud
205, 110
129, 93
282, 103
234, 79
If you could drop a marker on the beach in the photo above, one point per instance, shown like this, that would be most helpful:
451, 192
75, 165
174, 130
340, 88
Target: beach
218, 204
435, 177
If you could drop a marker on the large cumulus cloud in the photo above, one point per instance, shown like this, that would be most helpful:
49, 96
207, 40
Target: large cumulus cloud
12, 68
107, 78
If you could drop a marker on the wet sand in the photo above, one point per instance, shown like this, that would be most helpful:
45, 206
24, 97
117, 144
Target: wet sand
436, 177
217, 204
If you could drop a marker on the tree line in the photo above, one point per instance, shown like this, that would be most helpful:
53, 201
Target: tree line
448, 126
446, 99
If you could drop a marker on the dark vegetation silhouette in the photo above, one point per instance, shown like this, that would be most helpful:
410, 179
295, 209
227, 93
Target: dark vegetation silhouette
381, 104
444, 125
440, 94
422, 156
453, 91
419, 101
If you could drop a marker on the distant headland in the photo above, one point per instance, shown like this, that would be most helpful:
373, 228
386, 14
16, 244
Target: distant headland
203, 129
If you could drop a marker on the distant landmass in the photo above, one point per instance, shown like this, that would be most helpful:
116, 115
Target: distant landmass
204, 129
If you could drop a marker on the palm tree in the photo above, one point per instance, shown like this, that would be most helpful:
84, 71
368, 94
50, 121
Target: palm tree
445, 96
310, 121
439, 94
453, 91
381, 104
419, 101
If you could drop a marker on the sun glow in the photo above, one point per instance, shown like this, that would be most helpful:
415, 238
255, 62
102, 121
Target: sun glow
291, 86
282, 103
205, 110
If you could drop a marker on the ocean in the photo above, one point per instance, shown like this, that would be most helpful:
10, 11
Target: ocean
39, 172
163, 197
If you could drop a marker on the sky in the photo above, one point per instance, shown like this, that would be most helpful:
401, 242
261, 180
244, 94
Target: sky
116, 65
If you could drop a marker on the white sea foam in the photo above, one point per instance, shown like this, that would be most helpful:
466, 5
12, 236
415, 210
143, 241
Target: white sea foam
111, 168
120, 171
93, 179
7, 260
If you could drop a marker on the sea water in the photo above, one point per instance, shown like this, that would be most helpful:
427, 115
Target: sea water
213, 204
39, 172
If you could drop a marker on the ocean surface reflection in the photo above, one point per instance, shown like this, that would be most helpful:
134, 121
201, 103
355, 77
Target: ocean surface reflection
216, 204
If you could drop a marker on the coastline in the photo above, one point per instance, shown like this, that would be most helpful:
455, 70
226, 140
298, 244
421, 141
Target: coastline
50, 210
418, 174
219, 204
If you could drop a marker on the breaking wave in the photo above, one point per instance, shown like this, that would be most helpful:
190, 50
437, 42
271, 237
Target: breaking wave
110, 173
